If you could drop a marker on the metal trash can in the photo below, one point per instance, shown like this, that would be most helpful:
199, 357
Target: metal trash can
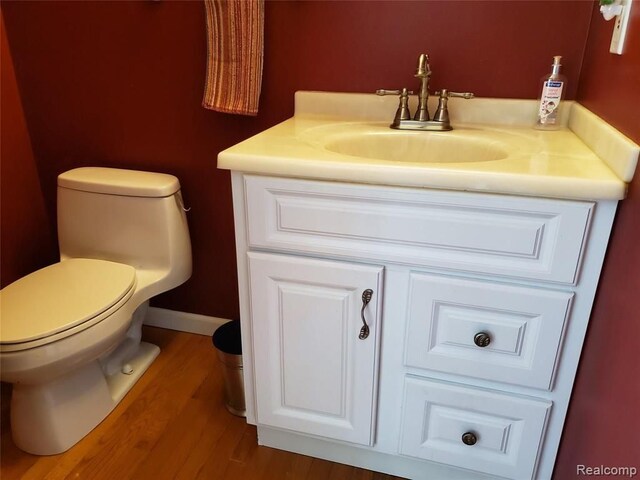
227, 342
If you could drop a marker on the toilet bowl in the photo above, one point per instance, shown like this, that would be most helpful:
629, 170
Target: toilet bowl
70, 333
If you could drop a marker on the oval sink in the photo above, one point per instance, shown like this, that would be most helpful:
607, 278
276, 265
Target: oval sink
418, 147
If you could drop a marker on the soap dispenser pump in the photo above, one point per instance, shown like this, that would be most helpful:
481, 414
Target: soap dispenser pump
551, 97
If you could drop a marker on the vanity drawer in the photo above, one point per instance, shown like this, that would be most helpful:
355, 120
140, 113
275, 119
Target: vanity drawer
495, 234
484, 329
502, 432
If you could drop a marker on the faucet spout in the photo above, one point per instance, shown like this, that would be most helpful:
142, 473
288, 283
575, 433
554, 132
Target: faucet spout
423, 66
423, 72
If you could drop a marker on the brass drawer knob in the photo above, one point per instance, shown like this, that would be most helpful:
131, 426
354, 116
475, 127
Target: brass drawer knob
482, 339
469, 438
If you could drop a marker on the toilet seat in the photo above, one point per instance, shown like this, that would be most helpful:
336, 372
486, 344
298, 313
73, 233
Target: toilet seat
62, 299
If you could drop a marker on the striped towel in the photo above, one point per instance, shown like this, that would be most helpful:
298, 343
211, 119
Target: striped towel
235, 37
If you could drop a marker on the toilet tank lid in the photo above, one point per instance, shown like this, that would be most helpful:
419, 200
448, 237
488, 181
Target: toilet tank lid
116, 181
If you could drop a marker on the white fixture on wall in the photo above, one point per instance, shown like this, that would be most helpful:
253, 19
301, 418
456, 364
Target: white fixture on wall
618, 9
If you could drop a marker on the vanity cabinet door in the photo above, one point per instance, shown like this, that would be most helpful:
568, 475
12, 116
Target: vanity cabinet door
314, 373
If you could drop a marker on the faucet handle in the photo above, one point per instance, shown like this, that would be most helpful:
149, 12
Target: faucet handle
402, 113
383, 92
444, 93
467, 95
442, 112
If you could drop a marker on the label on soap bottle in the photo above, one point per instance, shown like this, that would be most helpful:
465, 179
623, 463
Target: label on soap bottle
550, 102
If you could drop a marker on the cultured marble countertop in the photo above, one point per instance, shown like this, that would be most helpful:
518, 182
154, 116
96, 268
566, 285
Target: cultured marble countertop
587, 159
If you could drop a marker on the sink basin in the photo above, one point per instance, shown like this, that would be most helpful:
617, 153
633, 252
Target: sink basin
416, 147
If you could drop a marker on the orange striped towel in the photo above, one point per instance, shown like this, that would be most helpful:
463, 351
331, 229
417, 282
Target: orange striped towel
235, 38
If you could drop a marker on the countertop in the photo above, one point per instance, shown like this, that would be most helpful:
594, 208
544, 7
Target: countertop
587, 159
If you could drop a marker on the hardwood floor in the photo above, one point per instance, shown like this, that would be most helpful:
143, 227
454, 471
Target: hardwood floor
171, 425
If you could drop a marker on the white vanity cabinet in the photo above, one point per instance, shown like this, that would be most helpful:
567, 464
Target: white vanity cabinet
479, 306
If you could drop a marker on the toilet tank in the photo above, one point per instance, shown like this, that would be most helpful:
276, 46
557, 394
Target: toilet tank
125, 216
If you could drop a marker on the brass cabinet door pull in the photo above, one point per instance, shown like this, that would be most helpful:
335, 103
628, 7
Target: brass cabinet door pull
366, 298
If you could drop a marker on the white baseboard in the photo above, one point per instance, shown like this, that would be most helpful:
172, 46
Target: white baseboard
183, 321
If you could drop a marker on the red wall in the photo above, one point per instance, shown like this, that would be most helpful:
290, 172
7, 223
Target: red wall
27, 243
604, 416
120, 84
495, 49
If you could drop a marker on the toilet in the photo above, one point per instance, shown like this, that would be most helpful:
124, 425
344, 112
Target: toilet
70, 333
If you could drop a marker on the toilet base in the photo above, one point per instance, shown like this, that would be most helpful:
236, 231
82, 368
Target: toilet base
50, 418
120, 383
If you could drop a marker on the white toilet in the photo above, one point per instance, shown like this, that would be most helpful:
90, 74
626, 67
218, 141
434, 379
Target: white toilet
70, 333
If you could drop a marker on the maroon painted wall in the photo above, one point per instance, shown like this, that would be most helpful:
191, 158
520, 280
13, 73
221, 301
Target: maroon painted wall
604, 415
495, 49
120, 84
26, 243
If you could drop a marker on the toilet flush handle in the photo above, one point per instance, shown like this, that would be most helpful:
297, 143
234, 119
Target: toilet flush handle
181, 203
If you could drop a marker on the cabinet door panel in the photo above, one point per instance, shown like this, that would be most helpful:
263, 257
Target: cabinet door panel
315, 375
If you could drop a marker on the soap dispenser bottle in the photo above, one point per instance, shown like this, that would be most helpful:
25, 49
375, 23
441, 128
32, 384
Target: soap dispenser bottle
551, 96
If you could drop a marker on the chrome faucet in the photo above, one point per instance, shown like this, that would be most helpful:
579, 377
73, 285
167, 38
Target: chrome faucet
421, 120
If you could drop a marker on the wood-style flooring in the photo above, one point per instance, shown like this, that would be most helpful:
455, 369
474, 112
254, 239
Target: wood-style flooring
171, 425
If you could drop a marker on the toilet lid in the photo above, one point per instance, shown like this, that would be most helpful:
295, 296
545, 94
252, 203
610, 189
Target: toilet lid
60, 297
